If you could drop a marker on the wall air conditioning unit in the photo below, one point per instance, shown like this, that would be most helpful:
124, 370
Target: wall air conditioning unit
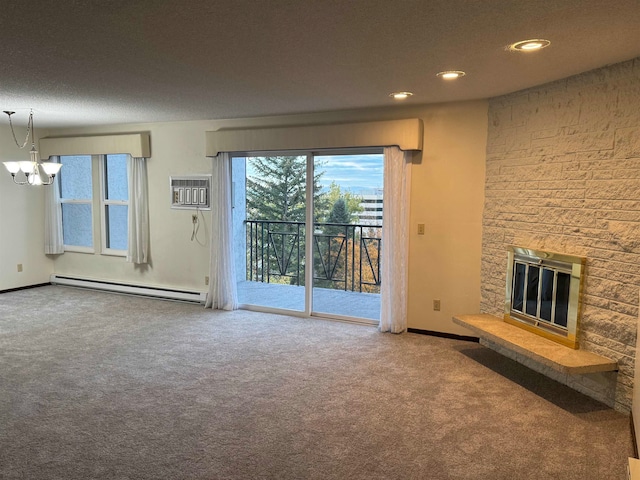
191, 192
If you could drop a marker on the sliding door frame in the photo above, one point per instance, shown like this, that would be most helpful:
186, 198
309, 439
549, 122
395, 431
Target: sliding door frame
310, 155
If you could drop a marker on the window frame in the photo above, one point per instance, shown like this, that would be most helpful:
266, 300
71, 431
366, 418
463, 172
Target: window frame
104, 203
98, 204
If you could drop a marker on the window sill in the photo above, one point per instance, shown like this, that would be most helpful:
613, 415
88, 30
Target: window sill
114, 253
72, 249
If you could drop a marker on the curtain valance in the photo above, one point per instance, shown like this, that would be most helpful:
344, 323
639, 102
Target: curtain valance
135, 144
405, 134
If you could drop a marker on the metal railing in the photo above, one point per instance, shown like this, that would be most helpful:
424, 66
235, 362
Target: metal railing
346, 256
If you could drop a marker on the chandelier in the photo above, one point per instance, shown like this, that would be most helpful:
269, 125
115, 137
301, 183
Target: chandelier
34, 171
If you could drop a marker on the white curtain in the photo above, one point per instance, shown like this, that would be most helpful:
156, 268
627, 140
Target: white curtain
223, 293
395, 240
53, 240
138, 239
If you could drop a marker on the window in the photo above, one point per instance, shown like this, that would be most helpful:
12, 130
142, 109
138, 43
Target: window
94, 187
115, 203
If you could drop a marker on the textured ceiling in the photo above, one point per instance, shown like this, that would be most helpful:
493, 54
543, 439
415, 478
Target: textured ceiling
88, 62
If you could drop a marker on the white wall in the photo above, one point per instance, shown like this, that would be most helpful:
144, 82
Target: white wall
176, 261
21, 221
447, 195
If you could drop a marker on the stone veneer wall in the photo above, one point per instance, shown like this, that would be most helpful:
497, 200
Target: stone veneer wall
563, 175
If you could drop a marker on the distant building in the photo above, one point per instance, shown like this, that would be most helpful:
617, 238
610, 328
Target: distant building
372, 207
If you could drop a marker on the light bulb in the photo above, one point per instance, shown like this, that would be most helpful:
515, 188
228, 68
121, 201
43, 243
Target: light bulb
400, 95
529, 45
451, 74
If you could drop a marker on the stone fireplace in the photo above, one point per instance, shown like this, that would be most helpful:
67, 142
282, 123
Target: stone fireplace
563, 175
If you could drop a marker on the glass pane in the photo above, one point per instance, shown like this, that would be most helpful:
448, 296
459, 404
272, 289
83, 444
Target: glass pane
562, 298
532, 291
76, 224
269, 224
116, 186
518, 287
75, 177
546, 294
348, 234
116, 223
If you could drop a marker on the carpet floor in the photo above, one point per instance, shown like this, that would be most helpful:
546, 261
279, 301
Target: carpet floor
104, 386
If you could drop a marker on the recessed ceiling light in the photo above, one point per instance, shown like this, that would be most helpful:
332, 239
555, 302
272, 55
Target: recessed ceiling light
451, 74
400, 95
529, 45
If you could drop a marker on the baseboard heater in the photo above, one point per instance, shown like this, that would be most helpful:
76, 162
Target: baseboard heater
144, 291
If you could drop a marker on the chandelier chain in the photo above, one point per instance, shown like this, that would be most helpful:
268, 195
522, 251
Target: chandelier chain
29, 128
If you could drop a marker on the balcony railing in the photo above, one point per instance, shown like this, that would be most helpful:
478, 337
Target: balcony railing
346, 256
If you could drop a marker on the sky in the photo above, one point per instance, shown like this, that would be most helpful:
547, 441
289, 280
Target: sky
356, 173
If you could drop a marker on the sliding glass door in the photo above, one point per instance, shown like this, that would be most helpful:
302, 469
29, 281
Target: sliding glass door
269, 213
307, 232
347, 235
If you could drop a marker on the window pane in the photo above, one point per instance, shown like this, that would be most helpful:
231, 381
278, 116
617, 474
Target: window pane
116, 225
518, 288
546, 294
116, 187
76, 224
75, 177
562, 298
532, 291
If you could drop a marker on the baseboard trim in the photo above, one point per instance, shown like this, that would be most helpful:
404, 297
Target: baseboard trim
451, 336
130, 289
26, 287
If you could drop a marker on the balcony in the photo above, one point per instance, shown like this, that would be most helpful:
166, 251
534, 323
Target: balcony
346, 276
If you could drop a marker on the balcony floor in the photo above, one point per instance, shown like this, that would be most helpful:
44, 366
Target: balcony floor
325, 300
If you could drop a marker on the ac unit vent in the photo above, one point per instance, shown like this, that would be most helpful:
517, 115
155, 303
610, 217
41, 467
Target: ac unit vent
191, 192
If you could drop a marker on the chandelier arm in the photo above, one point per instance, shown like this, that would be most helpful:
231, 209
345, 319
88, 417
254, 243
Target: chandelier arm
17, 182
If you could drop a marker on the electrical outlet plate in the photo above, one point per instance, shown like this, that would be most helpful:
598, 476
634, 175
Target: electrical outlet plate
436, 305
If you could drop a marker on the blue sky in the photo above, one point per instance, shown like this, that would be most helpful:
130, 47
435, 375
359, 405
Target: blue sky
352, 172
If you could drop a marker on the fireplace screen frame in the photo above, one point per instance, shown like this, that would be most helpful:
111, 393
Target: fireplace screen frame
555, 316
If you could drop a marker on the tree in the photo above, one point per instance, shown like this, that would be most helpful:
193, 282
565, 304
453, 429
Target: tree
339, 212
352, 203
276, 191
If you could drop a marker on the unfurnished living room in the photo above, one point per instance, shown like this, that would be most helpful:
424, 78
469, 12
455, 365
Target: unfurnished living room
295, 239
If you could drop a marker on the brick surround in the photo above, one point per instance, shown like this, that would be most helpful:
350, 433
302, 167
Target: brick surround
563, 175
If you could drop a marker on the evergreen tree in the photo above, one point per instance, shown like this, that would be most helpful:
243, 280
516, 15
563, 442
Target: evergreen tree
277, 189
339, 212
352, 201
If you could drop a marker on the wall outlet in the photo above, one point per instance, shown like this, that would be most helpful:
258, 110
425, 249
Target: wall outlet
206, 280
19, 267
436, 305
421, 229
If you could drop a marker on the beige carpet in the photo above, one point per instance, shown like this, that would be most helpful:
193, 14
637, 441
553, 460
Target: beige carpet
96, 385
